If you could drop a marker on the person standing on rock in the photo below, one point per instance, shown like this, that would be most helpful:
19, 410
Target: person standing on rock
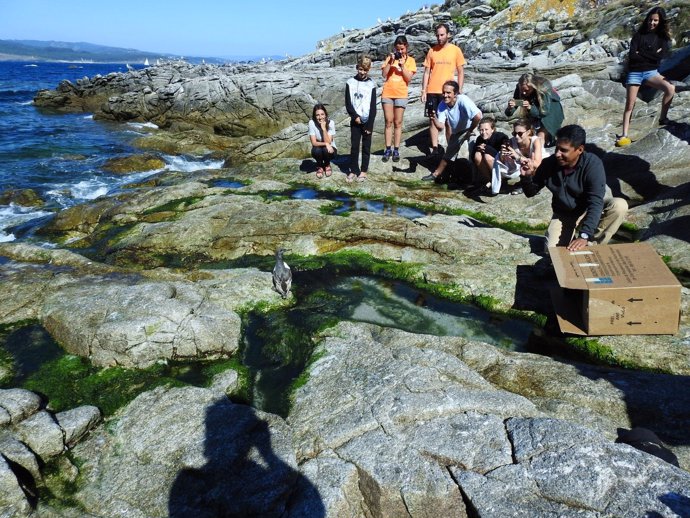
535, 99
584, 211
322, 136
649, 45
397, 69
360, 102
442, 62
459, 116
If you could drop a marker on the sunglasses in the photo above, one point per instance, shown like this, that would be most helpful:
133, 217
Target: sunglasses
518, 133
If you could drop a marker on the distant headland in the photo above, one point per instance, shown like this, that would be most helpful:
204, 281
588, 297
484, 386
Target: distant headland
61, 51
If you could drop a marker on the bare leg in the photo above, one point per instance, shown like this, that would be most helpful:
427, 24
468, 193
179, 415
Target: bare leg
433, 134
630, 97
398, 122
388, 115
667, 88
484, 163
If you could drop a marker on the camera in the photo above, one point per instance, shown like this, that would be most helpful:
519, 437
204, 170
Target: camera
429, 109
397, 54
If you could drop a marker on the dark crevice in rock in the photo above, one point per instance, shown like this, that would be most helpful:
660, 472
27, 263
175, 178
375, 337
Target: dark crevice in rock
25, 480
402, 498
371, 493
470, 509
510, 441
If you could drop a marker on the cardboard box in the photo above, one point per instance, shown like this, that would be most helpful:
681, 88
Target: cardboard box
615, 290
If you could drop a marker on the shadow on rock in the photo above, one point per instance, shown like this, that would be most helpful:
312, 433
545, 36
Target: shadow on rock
680, 130
659, 403
678, 228
630, 169
679, 504
243, 476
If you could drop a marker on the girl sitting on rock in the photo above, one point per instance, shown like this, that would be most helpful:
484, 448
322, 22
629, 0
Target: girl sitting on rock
522, 151
322, 136
486, 147
539, 102
650, 43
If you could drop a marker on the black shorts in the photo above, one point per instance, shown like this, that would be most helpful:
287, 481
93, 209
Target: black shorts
432, 102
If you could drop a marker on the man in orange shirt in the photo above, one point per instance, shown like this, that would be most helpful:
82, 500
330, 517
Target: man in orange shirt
442, 62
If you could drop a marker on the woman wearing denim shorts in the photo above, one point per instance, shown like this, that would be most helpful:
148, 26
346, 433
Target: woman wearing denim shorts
649, 45
397, 70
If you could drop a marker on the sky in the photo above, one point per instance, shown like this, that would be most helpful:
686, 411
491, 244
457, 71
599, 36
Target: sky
208, 28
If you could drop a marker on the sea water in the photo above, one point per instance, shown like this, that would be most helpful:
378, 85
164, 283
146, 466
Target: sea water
61, 156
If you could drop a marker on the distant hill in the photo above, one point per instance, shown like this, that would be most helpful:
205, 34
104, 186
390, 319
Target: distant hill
34, 50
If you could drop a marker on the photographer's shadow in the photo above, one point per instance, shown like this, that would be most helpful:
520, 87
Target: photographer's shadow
243, 476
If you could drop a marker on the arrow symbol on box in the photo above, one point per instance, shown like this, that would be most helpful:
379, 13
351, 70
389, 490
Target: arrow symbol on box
634, 323
634, 300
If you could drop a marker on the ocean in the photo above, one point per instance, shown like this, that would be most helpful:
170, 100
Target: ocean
60, 156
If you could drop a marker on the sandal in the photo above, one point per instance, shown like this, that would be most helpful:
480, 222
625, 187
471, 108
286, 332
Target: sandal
362, 176
319, 173
329, 171
350, 177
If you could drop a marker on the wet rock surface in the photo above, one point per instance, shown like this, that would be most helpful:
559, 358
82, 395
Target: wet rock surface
34, 437
389, 423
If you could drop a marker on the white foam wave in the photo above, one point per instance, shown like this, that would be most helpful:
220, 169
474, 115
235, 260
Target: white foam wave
142, 125
11, 215
89, 189
26, 103
180, 163
88, 117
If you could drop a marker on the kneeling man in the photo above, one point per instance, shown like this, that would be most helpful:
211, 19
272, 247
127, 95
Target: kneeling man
459, 116
581, 200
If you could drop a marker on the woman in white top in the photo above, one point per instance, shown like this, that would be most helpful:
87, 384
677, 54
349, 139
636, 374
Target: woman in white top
322, 136
525, 147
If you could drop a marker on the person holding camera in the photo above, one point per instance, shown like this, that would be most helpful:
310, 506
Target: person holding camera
442, 62
459, 116
523, 151
397, 69
535, 99
485, 148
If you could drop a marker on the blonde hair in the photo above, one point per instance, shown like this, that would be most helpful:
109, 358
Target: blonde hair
364, 62
541, 85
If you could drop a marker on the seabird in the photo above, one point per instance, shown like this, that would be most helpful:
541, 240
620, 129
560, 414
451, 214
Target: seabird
282, 275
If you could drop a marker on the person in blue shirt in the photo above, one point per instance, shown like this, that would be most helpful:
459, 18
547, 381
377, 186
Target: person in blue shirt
459, 116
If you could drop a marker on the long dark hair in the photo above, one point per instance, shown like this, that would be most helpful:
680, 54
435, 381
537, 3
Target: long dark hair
662, 29
319, 106
400, 40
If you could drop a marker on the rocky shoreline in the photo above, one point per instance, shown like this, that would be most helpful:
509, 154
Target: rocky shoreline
387, 422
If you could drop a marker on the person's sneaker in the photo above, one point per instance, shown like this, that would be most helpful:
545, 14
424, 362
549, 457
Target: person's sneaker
623, 141
386, 155
396, 155
429, 178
